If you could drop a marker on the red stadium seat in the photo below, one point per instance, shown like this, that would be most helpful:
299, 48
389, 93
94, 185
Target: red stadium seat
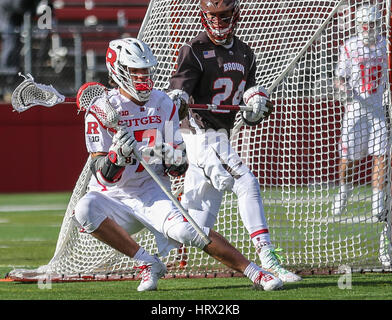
102, 14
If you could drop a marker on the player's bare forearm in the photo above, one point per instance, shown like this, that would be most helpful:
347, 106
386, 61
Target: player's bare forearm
96, 154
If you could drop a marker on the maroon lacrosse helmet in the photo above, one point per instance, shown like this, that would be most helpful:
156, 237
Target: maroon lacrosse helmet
219, 18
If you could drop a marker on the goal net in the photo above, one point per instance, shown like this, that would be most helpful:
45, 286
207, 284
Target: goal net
295, 153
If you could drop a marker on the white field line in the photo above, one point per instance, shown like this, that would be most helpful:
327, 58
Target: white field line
343, 219
27, 240
22, 240
19, 208
283, 202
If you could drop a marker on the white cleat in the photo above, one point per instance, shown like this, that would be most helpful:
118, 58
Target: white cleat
378, 201
270, 261
385, 252
150, 274
267, 282
340, 203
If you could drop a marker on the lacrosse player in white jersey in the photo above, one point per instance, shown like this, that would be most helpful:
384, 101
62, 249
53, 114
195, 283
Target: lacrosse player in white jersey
361, 74
122, 197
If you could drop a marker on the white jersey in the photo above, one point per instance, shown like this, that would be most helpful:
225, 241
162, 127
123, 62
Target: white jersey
365, 70
156, 120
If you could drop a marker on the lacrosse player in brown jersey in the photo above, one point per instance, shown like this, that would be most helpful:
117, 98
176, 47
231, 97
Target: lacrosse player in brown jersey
218, 68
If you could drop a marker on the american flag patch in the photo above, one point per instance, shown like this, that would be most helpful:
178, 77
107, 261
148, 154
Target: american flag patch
209, 54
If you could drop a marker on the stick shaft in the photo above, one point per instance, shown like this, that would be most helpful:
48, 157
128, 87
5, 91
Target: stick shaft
211, 107
172, 197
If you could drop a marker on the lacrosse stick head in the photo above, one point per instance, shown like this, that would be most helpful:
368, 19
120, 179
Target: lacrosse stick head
29, 94
92, 98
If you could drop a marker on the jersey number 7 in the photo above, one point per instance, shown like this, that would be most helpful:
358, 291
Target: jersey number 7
148, 136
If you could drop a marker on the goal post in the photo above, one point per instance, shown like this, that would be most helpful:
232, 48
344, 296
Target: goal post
294, 153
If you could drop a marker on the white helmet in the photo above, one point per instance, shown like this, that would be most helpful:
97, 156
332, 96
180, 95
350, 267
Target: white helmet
366, 15
126, 53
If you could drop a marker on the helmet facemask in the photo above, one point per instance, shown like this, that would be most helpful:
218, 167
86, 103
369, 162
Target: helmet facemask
136, 82
368, 23
220, 21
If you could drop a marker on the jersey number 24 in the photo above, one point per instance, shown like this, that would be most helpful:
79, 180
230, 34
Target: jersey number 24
227, 85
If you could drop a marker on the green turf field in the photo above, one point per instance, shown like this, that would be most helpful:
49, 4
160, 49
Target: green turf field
29, 227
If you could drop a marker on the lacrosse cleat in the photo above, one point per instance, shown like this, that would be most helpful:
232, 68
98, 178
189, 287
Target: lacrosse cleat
150, 274
340, 200
270, 262
385, 251
267, 281
378, 209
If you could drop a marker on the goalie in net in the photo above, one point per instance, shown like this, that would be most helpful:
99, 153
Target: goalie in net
218, 68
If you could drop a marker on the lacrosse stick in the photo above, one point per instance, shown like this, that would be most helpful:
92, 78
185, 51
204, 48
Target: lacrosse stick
109, 117
30, 93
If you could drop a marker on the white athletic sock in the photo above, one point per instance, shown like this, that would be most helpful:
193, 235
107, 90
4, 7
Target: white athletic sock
144, 256
260, 239
346, 188
377, 201
252, 271
250, 204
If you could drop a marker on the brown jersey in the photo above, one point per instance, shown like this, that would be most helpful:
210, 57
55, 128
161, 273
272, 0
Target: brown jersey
211, 73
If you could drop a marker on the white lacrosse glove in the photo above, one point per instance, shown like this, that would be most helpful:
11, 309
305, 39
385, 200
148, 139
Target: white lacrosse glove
172, 157
258, 99
181, 100
122, 147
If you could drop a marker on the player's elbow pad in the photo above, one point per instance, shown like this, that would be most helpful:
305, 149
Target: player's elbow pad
106, 172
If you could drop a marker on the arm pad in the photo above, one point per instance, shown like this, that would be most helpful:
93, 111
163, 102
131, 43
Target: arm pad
105, 170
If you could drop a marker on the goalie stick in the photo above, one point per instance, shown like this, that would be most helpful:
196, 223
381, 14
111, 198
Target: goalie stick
30, 93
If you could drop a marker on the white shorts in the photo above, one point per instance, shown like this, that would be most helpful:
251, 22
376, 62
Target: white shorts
132, 213
206, 180
364, 131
